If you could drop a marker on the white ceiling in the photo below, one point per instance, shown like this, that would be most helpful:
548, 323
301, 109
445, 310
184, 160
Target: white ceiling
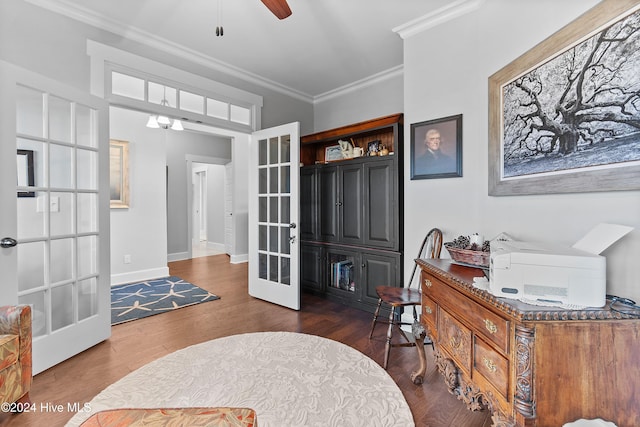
323, 46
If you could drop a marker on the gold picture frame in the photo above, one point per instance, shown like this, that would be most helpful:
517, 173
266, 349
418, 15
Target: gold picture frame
543, 88
119, 174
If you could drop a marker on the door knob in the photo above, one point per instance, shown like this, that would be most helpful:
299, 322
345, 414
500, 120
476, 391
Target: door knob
292, 225
8, 242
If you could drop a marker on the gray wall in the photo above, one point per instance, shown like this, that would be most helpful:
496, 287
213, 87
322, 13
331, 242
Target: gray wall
446, 72
55, 46
140, 231
467, 51
360, 103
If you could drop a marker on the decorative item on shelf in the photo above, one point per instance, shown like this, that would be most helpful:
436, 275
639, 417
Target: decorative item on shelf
383, 151
468, 250
347, 149
358, 151
373, 147
333, 153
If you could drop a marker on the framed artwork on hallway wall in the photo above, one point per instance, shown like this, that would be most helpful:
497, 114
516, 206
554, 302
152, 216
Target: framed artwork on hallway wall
565, 116
436, 148
119, 173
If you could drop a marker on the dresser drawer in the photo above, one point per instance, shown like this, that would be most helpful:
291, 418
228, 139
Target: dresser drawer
482, 320
456, 339
428, 315
491, 365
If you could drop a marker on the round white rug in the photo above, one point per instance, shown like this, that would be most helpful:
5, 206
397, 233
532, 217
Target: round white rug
289, 379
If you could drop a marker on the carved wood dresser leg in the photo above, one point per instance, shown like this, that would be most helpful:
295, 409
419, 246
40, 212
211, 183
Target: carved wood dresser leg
419, 334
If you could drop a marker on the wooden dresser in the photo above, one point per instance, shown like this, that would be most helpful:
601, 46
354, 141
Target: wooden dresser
530, 365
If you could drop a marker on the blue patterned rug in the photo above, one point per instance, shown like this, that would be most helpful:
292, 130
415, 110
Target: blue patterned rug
133, 301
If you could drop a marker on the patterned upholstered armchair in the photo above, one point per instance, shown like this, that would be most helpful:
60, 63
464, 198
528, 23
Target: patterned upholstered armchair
15, 353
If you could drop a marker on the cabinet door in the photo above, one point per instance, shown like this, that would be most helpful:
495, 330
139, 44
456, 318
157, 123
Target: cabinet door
350, 203
328, 203
311, 267
379, 269
309, 203
380, 204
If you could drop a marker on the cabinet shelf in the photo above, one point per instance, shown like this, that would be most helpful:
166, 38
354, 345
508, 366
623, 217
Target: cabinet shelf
384, 129
342, 273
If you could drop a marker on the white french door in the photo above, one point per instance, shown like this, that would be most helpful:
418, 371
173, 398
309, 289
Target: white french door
273, 215
55, 221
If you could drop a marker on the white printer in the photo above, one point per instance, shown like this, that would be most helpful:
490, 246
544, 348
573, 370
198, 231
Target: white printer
553, 274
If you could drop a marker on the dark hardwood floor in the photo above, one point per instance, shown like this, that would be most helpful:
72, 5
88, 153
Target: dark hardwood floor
136, 343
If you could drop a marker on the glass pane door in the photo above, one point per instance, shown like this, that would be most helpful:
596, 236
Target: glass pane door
273, 215
57, 207
59, 264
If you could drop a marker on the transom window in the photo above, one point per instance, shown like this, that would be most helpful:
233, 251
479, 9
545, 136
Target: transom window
186, 102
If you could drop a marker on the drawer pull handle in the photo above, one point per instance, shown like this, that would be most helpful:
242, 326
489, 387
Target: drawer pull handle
491, 327
427, 283
489, 364
428, 310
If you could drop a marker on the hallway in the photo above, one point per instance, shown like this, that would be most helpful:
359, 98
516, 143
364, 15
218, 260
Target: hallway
200, 249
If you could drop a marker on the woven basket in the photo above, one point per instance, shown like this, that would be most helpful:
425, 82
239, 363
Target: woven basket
468, 256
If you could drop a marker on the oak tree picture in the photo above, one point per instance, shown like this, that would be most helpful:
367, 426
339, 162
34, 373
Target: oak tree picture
580, 109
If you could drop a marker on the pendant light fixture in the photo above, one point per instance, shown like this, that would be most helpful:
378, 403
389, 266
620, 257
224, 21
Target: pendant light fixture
219, 29
160, 121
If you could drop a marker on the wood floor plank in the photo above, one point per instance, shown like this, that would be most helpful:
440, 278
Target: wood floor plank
137, 343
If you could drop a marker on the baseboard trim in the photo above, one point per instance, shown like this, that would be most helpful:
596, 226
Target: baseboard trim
138, 276
178, 256
216, 246
233, 259
239, 259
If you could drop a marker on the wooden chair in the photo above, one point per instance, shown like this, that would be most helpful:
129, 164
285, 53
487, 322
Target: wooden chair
397, 298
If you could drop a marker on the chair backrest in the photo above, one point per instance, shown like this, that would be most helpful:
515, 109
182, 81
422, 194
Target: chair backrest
430, 248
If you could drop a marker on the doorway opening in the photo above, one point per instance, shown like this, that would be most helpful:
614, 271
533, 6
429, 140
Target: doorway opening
208, 207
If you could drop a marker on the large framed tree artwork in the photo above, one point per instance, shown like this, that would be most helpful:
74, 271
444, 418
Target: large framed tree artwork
565, 116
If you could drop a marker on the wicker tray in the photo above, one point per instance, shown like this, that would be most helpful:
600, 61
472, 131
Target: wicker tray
467, 256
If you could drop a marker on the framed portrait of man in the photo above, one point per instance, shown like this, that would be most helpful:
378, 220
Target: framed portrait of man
436, 148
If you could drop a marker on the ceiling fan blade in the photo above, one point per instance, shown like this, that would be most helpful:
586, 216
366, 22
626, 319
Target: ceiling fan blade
280, 8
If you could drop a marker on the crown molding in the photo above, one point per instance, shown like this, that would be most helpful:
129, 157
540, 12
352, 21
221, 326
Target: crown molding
437, 17
86, 16
89, 17
360, 84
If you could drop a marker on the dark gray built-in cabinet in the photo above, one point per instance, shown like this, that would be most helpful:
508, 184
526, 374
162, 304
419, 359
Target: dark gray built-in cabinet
350, 212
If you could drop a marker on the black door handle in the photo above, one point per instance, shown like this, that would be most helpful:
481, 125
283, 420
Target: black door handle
8, 242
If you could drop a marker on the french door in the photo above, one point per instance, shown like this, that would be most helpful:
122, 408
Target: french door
54, 225
273, 215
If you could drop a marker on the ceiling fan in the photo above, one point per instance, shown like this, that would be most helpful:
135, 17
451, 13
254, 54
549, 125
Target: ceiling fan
280, 8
